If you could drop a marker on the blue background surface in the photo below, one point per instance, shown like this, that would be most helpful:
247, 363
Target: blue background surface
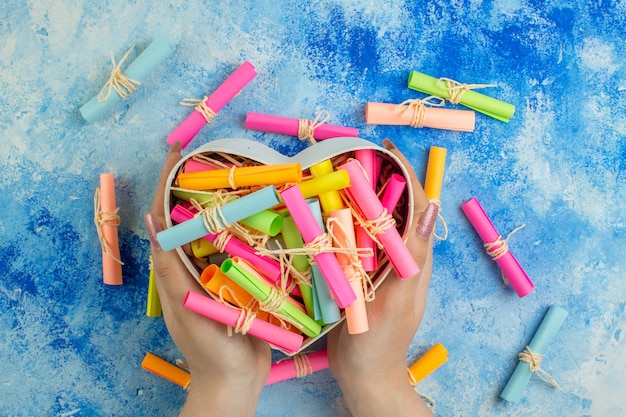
73, 346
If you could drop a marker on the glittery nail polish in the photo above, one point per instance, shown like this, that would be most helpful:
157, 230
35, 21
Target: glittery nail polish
152, 227
427, 221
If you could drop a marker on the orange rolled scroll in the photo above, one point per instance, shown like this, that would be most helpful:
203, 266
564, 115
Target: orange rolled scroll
241, 177
107, 220
433, 117
431, 360
166, 370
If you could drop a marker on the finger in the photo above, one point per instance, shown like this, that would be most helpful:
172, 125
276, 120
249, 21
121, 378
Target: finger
157, 204
419, 196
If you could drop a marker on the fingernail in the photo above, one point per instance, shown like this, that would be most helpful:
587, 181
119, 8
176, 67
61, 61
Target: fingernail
176, 147
153, 227
387, 144
427, 221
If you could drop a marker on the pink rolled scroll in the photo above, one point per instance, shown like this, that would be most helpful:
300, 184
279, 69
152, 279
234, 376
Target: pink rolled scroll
297, 367
269, 267
368, 204
356, 314
196, 166
218, 99
287, 126
393, 192
433, 117
367, 159
326, 261
280, 338
499, 251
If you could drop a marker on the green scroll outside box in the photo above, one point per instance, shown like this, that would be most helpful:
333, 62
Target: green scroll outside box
476, 101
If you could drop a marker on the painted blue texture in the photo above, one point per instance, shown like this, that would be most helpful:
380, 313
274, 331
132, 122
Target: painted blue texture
73, 346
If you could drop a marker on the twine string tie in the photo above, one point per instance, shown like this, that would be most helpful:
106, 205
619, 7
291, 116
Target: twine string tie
534, 361
418, 108
118, 81
457, 89
199, 104
105, 218
306, 128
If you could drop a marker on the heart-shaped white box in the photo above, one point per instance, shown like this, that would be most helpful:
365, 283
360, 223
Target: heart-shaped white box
262, 154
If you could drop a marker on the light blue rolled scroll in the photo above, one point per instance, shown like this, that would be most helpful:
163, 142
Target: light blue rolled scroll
328, 306
550, 325
137, 70
232, 212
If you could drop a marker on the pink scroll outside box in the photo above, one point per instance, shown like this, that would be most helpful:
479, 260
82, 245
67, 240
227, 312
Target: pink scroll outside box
280, 338
297, 367
326, 261
511, 269
434, 117
368, 204
367, 159
393, 192
290, 127
235, 247
356, 313
190, 127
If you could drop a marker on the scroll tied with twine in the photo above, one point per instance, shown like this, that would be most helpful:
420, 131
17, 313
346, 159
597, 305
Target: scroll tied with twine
418, 108
306, 128
201, 107
118, 81
457, 89
498, 248
534, 362
105, 218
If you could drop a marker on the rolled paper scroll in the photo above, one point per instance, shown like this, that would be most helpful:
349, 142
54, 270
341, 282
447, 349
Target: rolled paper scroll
223, 287
434, 181
330, 200
210, 106
137, 71
434, 173
247, 266
297, 366
311, 233
550, 325
498, 248
107, 222
356, 314
266, 221
269, 298
367, 160
333, 181
203, 248
280, 338
328, 306
428, 362
166, 370
241, 177
427, 116
153, 306
368, 204
293, 240
269, 267
472, 99
191, 165
291, 127
393, 192
229, 213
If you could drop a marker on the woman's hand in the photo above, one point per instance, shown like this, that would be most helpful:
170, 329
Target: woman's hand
228, 372
371, 367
